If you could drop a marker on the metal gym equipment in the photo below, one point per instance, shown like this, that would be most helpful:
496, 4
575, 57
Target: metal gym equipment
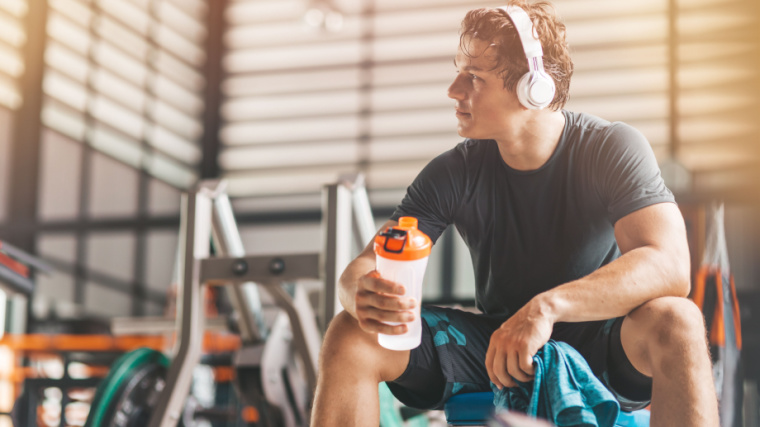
129, 390
276, 366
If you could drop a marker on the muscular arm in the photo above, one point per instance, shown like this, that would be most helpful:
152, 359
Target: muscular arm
654, 263
371, 300
356, 269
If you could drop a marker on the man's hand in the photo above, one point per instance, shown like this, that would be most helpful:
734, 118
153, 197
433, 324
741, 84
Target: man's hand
513, 345
379, 301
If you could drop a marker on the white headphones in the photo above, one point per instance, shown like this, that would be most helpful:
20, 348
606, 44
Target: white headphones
535, 89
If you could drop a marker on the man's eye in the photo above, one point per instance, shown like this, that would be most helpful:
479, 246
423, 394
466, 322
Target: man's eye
474, 77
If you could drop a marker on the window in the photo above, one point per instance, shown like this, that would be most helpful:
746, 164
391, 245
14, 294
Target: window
305, 104
122, 122
122, 77
12, 39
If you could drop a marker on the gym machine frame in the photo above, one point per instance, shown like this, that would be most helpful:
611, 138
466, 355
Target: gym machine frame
208, 210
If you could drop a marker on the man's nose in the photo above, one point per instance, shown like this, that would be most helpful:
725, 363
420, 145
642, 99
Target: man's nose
455, 89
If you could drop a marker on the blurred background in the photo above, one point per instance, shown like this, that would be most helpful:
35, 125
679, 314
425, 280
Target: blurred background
110, 109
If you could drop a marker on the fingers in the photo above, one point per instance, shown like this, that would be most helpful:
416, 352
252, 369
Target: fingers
389, 316
383, 301
505, 365
525, 362
372, 282
382, 293
514, 366
496, 366
504, 369
372, 319
489, 366
372, 325
500, 362
374, 291
384, 322
379, 301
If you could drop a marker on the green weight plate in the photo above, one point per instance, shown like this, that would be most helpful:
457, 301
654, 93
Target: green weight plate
137, 399
122, 372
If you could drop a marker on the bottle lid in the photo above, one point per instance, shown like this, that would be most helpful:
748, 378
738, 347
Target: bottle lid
403, 242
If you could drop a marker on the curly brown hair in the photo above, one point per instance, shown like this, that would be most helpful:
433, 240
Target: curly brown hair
494, 26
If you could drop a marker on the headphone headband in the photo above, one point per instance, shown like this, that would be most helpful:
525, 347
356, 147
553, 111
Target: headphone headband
526, 31
535, 89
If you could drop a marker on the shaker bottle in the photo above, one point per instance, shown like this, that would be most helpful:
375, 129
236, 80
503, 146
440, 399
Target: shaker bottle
402, 255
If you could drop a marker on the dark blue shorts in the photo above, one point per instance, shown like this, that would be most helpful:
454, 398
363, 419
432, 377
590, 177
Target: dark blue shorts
451, 358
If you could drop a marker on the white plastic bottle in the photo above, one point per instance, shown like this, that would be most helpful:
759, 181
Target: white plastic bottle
402, 255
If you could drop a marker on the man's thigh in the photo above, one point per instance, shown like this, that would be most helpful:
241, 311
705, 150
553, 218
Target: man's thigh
450, 359
600, 343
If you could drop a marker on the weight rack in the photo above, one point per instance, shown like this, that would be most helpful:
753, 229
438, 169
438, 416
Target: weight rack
207, 212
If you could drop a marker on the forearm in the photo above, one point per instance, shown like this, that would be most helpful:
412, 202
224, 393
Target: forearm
348, 281
360, 266
614, 290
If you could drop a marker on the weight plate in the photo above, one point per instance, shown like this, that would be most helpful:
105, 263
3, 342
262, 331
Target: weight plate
139, 370
137, 398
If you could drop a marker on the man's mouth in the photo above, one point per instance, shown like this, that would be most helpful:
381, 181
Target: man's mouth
461, 113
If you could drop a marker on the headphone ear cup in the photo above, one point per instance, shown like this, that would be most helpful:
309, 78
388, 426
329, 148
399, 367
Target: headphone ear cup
535, 90
522, 90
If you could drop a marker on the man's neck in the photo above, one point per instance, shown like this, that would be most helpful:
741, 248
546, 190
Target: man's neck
535, 143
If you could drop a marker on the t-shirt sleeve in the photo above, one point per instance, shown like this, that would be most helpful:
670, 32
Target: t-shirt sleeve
628, 176
434, 194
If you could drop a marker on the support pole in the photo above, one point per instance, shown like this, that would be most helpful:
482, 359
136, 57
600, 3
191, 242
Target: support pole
336, 223
196, 227
244, 298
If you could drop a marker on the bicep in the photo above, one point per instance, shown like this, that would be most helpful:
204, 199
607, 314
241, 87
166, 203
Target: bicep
626, 173
660, 226
657, 235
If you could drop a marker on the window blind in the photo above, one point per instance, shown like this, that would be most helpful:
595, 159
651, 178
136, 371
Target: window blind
122, 77
718, 84
12, 39
303, 106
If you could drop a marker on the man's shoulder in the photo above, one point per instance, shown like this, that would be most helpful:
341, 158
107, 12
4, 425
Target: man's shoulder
587, 123
593, 132
459, 167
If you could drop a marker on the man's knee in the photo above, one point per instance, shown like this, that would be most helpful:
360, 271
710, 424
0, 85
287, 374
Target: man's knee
343, 336
347, 346
667, 326
670, 320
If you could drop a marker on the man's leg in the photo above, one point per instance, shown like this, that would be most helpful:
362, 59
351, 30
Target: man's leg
351, 365
665, 339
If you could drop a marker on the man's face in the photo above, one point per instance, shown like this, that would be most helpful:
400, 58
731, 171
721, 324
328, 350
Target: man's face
484, 108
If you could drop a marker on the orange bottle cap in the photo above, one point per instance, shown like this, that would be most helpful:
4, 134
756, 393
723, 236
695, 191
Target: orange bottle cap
403, 242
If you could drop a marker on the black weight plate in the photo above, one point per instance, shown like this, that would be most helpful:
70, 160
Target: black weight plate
129, 390
137, 398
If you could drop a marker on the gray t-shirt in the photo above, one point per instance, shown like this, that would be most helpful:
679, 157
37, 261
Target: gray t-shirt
530, 231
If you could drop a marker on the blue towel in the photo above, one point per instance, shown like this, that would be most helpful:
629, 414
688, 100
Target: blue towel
563, 391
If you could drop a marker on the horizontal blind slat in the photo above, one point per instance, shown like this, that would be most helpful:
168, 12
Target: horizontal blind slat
381, 84
132, 73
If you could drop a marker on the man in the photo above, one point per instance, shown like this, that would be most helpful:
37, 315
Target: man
573, 237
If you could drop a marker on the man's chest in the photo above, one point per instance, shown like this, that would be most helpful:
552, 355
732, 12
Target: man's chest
557, 216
